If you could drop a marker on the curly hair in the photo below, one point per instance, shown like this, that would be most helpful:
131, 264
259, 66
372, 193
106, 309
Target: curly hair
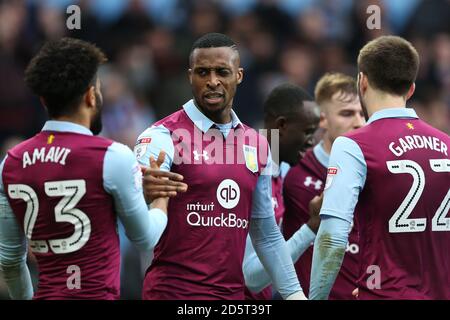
62, 72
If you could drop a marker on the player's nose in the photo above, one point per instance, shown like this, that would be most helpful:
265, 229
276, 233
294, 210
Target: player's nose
213, 80
358, 121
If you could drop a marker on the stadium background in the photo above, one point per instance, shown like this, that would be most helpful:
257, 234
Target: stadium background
148, 43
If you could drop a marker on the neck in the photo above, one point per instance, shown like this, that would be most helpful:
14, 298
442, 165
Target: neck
222, 117
327, 143
377, 101
77, 118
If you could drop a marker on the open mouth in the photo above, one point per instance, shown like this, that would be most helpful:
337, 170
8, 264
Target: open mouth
213, 97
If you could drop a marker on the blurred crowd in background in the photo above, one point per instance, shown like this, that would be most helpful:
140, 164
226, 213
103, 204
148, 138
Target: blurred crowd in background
148, 44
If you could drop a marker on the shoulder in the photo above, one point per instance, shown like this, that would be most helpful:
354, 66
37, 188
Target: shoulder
360, 133
119, 152
436, 132
345, 144
172, 121
21, 146
101, 140
253, 135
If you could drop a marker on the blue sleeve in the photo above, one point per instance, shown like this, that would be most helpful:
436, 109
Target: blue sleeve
262, 195
122, 178
346, 176
329, 250
13, 250
256, 277
151, 142
272, 251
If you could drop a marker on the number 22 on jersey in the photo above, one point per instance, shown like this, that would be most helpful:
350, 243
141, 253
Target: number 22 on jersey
399, 222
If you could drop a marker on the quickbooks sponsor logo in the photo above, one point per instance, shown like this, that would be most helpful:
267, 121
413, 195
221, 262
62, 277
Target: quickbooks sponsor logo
228, 194
229, 220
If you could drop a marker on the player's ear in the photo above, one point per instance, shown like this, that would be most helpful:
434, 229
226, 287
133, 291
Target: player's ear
363, 83
323, 122
281, 124
89, 97
190, 75
240, 75
411, 91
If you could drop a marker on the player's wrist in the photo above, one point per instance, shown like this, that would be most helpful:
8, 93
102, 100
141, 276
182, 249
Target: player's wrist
299, 295
313, 224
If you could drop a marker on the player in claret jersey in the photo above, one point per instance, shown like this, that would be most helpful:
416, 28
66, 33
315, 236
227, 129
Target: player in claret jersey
64, 189
227, 167
341, 112
393, 176
293, 112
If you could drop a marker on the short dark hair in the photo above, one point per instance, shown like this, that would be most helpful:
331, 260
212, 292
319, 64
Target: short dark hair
62, 72
391, 63
212, 40
285, 99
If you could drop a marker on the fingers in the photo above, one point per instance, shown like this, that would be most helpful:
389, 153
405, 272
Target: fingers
162, 194
176, 188
153, 163
161, 158
156, 164
163, 174
152, 183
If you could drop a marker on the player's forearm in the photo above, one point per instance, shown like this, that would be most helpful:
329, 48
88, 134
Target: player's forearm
329, 250
18, 280
145, 230
256, 276
272, 251
300, 241
13, 253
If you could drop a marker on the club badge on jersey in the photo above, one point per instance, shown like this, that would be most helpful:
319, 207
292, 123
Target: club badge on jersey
251, 158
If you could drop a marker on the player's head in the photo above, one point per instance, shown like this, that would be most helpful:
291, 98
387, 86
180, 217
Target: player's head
387, 66
341, 110
292, 111
64, 75
214, 73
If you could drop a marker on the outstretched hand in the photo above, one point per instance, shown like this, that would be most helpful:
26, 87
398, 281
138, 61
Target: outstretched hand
161, 184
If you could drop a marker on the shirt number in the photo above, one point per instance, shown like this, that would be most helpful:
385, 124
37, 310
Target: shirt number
71, 192
399, 222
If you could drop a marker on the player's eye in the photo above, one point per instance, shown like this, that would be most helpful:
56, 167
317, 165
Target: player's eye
346, 113
202, 72
224, 72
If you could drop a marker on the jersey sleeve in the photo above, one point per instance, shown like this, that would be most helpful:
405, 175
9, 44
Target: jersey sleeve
151, 142
347, 171
13, 250
273, 253
122, 178
262, 195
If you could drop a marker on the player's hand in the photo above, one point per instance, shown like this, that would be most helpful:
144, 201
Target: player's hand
158, 183
314, 209
355, 293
